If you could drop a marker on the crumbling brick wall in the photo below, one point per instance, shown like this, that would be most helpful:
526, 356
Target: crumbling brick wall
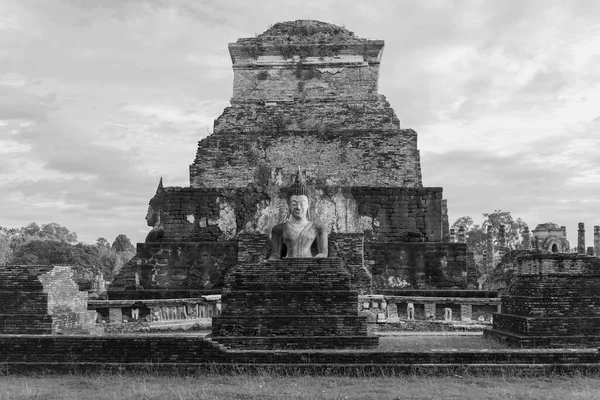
380, 213
177, 266
42, 300
420, 265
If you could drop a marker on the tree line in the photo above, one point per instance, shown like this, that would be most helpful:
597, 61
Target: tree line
55, 244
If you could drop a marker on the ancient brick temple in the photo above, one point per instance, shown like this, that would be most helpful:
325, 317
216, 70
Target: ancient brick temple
305, 94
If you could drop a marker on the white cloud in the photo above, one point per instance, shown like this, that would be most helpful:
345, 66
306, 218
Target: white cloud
99, 99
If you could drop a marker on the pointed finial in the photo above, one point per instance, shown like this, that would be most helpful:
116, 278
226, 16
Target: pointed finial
298, 188
160, 187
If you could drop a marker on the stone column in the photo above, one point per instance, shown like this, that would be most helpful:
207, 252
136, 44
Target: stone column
490, 247
597, 241
581, 239
461, 238
526, 238
452, 236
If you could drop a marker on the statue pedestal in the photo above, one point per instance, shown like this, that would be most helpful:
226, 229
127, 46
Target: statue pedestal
301, 303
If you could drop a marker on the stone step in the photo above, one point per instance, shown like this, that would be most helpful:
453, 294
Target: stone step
547, 326
21, 302
555, 306
298, 342
285, 302
290, 325
291, 274
25, 324
531, 341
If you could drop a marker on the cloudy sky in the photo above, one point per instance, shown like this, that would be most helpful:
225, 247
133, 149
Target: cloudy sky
100, 98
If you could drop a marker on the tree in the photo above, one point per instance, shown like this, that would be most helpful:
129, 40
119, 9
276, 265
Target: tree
513, 228
101, 242
86, 260
51, 231
476, 235
122, 244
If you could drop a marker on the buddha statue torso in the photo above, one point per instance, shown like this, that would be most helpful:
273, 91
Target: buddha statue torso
298, 239
298, 233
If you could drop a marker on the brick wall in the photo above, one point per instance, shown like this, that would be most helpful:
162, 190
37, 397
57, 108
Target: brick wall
381, 213
156, 350
268, 69
366, 157
554, 299
422, 265
296, 298
177, 266
42, 300
546, 264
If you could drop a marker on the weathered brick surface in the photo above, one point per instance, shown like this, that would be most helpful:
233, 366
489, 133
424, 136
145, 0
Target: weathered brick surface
566, 286
422, 265
554, 300
401, 214
177, 266
294, 297
381, 213
159, 294
555, 306
440, 293
349, 248
289, 325
377, 158
128, 349
42, 300
269, 71
568, 264
291, 302
299, 342
310, 274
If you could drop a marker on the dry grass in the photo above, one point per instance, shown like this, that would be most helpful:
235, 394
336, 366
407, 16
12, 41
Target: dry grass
267, 386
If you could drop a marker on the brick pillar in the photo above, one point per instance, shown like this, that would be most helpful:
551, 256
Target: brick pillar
526, 238
452, 236
597, 241
501, 242
490, 247
461, 238
466, 312
485, 262
581, 239
445, 223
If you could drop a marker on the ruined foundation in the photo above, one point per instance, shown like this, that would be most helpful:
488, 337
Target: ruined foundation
292, 303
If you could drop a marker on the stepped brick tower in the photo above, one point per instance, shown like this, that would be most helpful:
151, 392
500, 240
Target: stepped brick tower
305, 94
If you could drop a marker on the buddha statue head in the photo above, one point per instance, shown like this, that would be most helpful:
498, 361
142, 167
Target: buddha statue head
153, 217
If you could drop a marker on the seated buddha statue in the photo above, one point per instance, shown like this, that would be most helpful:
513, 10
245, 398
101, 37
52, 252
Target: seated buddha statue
297, 233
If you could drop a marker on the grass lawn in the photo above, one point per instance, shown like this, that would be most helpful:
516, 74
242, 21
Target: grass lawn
266, 386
